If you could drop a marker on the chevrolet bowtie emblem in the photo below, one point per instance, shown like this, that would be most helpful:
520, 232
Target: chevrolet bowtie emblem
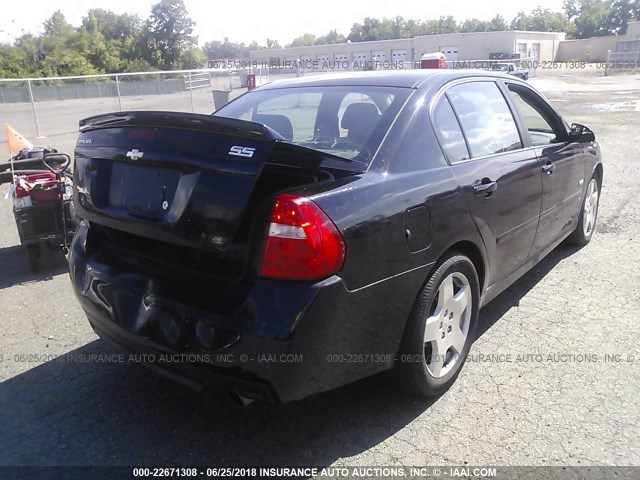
135, 154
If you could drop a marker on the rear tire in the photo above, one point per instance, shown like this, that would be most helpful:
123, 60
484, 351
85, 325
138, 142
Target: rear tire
441, 328
588, 215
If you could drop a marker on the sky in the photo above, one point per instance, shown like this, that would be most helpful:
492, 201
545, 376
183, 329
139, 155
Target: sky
247, 20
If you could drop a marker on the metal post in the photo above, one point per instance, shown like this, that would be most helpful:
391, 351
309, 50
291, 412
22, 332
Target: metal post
33, 108
193, 108
118, 91
606, 67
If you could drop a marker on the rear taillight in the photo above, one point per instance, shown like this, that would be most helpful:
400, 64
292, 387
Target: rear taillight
302, 243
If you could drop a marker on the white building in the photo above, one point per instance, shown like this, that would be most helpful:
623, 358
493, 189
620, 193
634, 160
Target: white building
595, 49
455, 46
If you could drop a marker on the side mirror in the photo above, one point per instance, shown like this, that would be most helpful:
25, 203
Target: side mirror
581, 134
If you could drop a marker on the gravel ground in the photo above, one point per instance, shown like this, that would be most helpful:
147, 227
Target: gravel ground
539, 388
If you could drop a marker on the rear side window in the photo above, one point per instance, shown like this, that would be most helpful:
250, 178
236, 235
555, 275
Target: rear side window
449, 131
486, 119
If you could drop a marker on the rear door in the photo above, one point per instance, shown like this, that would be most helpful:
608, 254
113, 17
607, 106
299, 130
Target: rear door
560, 162
500, 180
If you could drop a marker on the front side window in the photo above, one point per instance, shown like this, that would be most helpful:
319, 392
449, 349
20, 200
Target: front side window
347, 121
537, 121
485, 117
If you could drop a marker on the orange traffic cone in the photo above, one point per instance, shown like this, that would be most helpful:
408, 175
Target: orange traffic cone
15, 141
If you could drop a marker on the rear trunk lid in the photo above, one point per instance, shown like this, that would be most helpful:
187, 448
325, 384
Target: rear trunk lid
188, 189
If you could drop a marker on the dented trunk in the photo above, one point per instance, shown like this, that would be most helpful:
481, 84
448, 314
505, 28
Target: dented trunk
191, 191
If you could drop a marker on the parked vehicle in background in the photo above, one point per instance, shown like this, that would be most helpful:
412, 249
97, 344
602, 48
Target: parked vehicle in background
323, 229
510, 68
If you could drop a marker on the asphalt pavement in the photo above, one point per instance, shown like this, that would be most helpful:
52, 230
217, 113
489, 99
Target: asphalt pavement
552, 378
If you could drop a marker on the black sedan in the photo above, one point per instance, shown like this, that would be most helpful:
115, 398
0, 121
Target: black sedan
320, 230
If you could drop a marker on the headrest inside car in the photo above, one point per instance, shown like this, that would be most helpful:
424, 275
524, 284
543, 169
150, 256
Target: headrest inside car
359, 113
280, 123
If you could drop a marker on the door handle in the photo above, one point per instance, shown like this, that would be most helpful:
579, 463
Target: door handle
485, 188
548, 168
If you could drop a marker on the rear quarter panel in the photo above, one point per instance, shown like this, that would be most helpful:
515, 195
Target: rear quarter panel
409, 170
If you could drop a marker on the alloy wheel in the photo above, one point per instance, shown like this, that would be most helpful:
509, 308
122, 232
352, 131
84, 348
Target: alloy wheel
590, 208
447, 327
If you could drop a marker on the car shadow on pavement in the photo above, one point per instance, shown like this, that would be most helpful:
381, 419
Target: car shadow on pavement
84, 409
78, 411
15, 266
495, 309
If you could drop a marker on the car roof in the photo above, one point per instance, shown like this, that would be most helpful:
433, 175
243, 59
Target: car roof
385, 78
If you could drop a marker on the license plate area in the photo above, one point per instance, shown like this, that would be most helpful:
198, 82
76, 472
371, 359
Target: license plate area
142, 190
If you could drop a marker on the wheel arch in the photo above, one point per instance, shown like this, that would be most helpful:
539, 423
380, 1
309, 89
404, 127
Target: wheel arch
474, 253
598, 171
467, 248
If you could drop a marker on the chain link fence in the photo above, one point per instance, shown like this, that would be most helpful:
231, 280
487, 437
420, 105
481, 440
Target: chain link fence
43, 107
622, 61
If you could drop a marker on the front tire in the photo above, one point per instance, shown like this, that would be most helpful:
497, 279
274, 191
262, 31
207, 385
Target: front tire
588, 215
441, 328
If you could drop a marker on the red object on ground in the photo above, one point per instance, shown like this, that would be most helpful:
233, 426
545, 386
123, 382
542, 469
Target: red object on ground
433, 60
251, 81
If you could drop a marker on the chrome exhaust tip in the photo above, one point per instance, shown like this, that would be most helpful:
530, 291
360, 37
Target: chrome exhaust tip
239, 400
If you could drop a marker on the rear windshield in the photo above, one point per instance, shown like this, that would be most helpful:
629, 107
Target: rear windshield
349, 122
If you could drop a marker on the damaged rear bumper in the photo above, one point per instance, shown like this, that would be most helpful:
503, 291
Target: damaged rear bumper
283, 342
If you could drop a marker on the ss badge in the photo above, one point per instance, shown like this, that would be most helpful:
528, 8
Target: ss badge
239, 151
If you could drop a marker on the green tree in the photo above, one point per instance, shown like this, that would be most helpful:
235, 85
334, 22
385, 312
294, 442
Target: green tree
571, 8
330, 38
168, 34
474, 25
498, 24
621, 12
31, 48
414, 28
368, 30
62, 49
112, 25
57, 26
595, 18
305, 40
216, 49
447, 25
541, 21
12, 62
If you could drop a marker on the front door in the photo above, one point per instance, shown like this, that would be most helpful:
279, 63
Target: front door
560, 162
